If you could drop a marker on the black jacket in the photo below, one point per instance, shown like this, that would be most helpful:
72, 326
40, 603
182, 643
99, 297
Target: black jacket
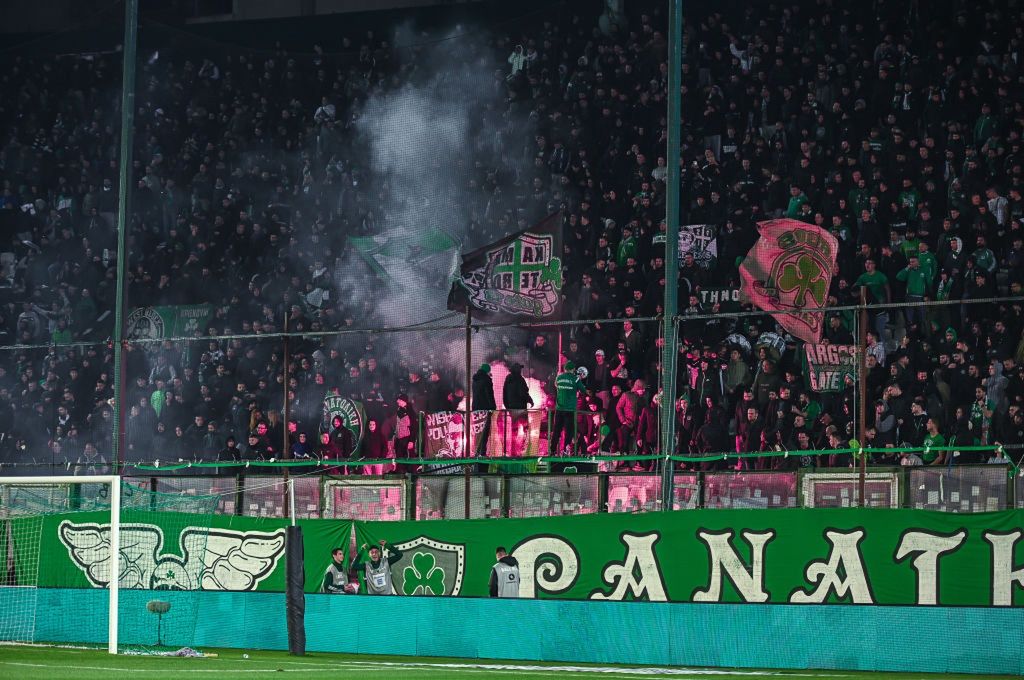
515, 393
483, 392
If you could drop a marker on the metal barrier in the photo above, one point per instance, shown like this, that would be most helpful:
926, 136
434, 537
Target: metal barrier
446, 497
750, 490
553, 495
842, 489
974, 489
686, 490
366, 499
479, 495
634, 493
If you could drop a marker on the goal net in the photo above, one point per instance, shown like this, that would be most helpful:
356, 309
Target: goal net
93, 561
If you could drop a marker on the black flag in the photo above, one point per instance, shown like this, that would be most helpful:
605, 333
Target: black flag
518, 276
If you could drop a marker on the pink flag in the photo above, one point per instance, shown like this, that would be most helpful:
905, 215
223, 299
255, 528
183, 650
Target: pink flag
790, 269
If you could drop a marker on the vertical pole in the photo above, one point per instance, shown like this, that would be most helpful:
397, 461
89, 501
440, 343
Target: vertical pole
131, 12
862, 350
670, 352
286, 452
467, 423
115, 556
290, 483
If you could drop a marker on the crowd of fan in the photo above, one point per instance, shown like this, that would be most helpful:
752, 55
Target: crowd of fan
895, 127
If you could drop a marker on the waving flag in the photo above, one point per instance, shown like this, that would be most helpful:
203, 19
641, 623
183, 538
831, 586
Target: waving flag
518, 276
790, 269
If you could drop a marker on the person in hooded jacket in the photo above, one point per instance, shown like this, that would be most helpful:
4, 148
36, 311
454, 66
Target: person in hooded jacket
515, 396
483, 400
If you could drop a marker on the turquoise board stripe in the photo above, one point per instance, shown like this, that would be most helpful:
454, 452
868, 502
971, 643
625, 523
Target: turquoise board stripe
840, 637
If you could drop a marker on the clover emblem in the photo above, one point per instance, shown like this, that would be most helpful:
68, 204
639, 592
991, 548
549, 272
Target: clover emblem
805, 277
552, 273
424, 576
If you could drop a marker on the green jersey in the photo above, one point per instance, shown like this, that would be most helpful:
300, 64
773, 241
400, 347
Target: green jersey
567, 386
917, 282
929, 442
876, 282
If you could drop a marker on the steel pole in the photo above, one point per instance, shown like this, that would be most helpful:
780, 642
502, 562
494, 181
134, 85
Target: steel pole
131, 20
670, 352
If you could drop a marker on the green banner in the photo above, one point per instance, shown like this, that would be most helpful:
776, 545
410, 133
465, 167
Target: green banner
167, 550
170, 321
829, 367
797, 556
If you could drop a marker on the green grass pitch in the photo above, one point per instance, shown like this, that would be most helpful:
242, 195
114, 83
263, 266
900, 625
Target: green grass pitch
46, 663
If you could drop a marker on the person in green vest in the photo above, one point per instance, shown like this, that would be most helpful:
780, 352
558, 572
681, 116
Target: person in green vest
336, 576
917, 288
568, 387
375, 568
932, 440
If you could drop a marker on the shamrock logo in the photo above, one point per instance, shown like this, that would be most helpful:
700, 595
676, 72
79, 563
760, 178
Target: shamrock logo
552, 273
424, 576
806, 278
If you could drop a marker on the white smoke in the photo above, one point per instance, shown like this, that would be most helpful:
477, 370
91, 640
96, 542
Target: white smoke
419, 140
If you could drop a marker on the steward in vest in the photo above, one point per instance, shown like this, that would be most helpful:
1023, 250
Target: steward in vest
504, 575
336, 577
376, 569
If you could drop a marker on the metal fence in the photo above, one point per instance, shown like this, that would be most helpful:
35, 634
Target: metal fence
973, 489
842, 489
982, 488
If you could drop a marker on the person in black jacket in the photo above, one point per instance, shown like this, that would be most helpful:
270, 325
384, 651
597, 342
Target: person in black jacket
483, 400
229, 454
515, 397
712, 437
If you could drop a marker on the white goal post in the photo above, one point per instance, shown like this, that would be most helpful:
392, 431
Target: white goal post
114, 482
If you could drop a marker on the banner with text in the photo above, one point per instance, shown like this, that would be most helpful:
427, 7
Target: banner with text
509, 433
799, 556
828, 367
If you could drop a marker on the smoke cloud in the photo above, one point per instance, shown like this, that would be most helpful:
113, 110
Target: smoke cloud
418, 146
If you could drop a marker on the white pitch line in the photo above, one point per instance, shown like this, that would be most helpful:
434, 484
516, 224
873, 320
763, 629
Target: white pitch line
603, 671
333, 668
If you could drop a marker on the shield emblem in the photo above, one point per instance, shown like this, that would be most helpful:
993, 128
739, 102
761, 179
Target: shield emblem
429, 567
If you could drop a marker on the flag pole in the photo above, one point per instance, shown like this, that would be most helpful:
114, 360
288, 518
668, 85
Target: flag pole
862, 397
467, 423
670, 353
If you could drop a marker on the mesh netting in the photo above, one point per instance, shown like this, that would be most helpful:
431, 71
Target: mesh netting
163, 558
364, 499
634, 493
444, 497
958, 489
553, 495
842, 489
750, 490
